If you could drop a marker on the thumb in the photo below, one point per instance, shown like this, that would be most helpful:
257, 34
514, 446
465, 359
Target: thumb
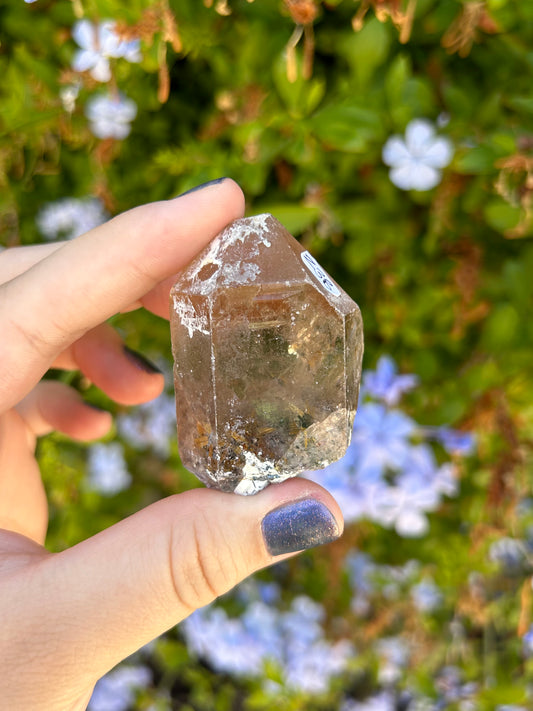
106, 597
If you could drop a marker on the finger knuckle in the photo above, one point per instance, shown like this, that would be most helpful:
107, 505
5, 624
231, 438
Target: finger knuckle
207, 567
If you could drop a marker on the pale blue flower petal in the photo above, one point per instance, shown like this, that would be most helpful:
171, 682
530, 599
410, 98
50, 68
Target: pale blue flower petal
101, 70
395, 151
419, 133
439, 153
415, 176
108, 41
412, 523
83, 60
83, 33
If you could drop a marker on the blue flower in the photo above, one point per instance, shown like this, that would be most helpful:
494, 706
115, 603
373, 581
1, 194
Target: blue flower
110, 116
527, 642
98, 43
394, 655
294, 640
426, 596
384, 383
402, 507
150, 425
107, 468
380, 439
116, 690
510, 554
453, 441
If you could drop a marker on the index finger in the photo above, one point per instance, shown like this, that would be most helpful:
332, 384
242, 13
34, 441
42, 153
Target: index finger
86, 281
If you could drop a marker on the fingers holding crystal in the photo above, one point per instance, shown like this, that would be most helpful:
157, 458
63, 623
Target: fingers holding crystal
81, 284
52, 405
17, 260
124, 375
23, 506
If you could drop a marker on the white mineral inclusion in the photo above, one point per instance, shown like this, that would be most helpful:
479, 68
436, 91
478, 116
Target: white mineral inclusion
241, 229
254, 468
190, 318
241, 271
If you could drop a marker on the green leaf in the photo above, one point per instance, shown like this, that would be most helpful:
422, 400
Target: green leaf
521, 103
296, 218
348, 128
366, 50
502, 216
397, 75
301, 96
501, 327
476, 161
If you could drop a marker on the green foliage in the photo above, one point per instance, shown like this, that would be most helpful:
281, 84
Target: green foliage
443, 277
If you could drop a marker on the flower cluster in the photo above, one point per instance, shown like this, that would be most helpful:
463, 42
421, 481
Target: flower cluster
98, 44
110, 115
116, 691
390, 473
369, 578
70, 217
293, 640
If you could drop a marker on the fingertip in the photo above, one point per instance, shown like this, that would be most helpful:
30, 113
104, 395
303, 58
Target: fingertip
224, 192
125, 375
53, 405
95, 423
299, 489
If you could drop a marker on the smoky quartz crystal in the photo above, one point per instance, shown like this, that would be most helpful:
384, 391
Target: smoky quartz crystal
267, 351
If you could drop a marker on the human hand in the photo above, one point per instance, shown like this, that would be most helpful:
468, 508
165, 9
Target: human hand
69, 617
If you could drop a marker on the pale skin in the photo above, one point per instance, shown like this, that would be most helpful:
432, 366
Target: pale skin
69, 617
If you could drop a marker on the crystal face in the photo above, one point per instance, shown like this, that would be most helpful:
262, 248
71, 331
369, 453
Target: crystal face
267, 359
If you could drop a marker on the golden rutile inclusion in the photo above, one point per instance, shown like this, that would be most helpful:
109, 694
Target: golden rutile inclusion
267, 352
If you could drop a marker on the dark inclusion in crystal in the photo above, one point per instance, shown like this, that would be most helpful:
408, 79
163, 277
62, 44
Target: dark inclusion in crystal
267, 350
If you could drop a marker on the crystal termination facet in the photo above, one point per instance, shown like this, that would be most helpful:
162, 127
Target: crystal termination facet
267, 359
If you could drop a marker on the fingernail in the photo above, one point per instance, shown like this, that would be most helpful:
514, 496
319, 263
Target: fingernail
203, 185
141, 362
298, 526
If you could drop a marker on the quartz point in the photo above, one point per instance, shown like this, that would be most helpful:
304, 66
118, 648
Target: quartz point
267, 359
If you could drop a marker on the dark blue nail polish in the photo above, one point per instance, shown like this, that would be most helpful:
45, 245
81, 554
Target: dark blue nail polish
141, 362
203, 185
298, 526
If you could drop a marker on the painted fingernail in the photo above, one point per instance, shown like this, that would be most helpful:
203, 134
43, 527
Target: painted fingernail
203, 185
298, 526
141, 362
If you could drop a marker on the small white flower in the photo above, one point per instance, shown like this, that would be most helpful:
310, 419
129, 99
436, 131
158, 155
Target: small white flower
68, 95
70, 217
110, 117
416, 161
98, 43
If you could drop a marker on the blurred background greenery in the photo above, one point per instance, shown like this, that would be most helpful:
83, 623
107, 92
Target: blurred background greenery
297, 100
